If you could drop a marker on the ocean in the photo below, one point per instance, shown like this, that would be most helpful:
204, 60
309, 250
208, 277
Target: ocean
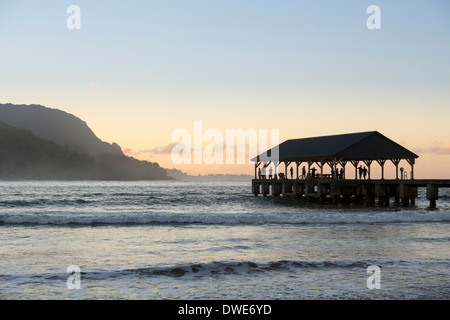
204, 240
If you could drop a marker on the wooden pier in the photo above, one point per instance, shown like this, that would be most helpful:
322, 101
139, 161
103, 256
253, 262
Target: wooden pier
337, 152
361, 191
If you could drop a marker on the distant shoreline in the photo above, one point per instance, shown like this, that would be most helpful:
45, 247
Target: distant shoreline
180, 175
191, 178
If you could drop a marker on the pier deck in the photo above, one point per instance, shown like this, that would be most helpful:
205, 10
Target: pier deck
360, 190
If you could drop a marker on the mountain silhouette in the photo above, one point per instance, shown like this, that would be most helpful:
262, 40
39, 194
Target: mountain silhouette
58, 126
24, 155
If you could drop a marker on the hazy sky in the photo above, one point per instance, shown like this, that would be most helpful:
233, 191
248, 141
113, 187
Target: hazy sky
138, 70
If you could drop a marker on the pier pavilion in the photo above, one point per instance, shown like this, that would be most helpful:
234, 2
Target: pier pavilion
333, 153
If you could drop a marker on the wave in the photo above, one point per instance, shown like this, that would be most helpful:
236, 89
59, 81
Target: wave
215, 268
231, 268
218, 268
43, 203
100, 218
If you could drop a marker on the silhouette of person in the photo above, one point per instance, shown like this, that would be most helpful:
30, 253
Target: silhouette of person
259, 173
360, 171
303, 172
341, 175
364, 172
292, 173
313, 172
264, 172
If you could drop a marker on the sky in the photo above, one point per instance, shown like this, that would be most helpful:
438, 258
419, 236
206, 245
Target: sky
138, 71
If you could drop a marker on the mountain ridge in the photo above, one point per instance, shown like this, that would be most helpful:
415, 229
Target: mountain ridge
56, 125
25, 156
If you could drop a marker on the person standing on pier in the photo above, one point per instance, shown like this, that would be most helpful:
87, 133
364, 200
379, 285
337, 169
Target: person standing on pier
303, 172
259, 173
292, 173
360, 171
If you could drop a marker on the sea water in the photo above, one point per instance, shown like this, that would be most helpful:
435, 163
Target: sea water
214, 240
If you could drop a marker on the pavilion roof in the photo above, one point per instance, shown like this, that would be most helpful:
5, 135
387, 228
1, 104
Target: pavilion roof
370, 145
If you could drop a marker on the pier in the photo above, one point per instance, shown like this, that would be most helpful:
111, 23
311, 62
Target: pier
335, 153
360, 191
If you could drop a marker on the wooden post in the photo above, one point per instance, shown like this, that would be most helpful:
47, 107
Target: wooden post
343, 164
432, 194
411, 162
321, 163
256, 168
334, 169
309, 169
287, 163
396, 162
265, 187
355, 163
298, 168
266, 172
381, 163
330, 164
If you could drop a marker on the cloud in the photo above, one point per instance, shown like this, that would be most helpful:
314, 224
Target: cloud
167, 149
434, 149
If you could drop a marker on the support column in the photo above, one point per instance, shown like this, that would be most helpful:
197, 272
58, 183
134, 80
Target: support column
275, 167
334, 169
411, 162
355, 164
396, 162
432, 194
308, 174
321, 163
265, 187
381, 163
405, 193
343, 164
277, 188
256, 169
382, 193
255, 188
266, 172
413, 195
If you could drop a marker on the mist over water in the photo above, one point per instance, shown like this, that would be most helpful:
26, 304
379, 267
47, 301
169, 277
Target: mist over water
214, 240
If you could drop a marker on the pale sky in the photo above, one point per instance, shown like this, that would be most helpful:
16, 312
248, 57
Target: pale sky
137, 71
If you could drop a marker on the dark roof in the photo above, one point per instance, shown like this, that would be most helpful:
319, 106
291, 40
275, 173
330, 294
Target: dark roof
370, 145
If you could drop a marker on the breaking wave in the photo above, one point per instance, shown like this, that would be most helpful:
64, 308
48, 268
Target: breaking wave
225, 268
61, 218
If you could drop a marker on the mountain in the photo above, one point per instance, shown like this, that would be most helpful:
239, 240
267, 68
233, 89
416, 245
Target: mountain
58, 126
24, 155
